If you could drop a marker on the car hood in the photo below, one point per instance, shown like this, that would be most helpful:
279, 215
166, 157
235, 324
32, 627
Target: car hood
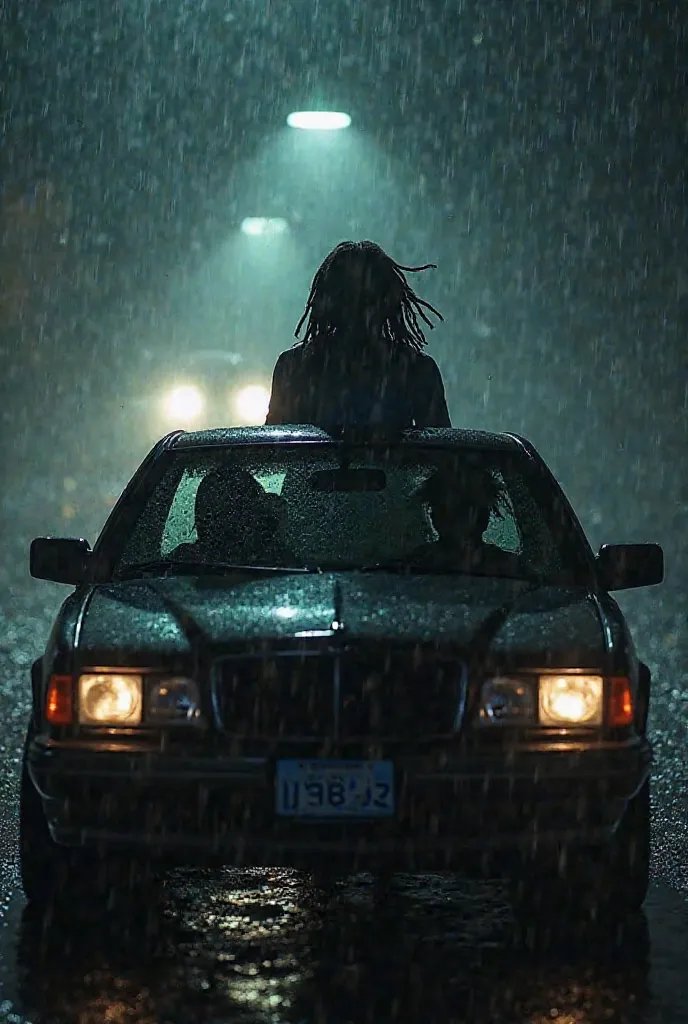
159, 619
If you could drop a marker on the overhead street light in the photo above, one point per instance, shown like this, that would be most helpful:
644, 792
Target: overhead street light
264, 226
318, 120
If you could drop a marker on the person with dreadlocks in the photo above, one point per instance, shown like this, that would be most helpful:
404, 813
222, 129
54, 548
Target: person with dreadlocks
461, 505
360, 362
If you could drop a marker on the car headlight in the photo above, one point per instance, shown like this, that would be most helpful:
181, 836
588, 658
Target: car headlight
507, 700
552, 700
571, 700
183, 405
129, 699
173, 700
251, 404
110, 699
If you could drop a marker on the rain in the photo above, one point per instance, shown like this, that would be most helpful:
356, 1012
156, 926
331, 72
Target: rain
162, 214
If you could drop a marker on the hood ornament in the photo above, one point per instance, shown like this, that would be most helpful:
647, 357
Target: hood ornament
337, 624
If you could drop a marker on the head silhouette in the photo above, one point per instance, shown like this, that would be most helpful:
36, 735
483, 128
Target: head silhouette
232, 510
359, 290
461, 505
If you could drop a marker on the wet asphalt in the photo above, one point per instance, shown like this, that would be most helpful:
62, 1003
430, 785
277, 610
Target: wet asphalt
270, 946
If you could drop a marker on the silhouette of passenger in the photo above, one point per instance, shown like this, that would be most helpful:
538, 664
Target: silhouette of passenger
460, 508
236, 521
361, 362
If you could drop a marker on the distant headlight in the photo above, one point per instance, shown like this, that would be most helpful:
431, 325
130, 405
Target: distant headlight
173, 701
183, 405
507, 701
571, 700
251, 405
110, 699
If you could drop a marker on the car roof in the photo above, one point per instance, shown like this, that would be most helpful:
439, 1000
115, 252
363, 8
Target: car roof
431, 437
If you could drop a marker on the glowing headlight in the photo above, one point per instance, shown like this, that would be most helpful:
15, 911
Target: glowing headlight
173, 700
251, 405
507, 701
183, 405
571, 700
110, 699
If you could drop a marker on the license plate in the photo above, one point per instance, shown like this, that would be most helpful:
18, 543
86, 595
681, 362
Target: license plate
334, 789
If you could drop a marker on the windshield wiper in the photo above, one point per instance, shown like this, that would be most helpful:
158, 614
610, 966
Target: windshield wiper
169, 566
398, 566
430, 570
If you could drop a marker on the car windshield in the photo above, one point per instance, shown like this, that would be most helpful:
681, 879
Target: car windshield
414, 508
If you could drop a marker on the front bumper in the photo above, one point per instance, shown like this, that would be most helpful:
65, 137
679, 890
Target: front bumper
450, 805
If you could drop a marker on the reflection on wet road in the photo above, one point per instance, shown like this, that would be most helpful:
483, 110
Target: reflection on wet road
266, 946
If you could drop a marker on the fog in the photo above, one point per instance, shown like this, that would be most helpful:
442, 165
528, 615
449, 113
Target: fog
534, 151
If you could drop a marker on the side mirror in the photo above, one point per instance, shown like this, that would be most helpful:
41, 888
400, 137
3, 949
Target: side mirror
624, 566
60, 559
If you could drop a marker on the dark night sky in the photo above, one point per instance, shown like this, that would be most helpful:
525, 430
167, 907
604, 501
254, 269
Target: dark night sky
537, 147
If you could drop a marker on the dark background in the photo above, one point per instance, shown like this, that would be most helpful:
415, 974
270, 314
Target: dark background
535, 151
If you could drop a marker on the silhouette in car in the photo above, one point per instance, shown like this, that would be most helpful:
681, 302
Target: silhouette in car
461, 506
236, 521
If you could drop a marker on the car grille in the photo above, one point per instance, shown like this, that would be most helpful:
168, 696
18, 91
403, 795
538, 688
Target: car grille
278, 696
348, 695
399, 695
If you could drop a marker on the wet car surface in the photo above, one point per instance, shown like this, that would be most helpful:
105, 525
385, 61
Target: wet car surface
270, 945
243, 676
536, 153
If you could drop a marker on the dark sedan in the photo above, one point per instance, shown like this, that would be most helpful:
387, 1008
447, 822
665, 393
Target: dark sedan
353, 652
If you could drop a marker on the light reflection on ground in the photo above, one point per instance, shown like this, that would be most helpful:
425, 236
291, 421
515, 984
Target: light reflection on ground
266, 946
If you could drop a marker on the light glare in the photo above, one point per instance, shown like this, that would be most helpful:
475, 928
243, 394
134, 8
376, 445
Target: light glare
257, 226
571, 700
109, 699
318, 120
251, 404
184, 404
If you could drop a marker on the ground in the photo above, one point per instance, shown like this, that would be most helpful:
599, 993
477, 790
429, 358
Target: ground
268, 946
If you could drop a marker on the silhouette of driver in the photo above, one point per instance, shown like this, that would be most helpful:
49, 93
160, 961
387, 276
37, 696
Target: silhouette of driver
236, 521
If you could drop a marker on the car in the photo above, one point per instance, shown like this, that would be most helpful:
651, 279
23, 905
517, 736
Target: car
207, 387
179, 389
192, 389
350, 651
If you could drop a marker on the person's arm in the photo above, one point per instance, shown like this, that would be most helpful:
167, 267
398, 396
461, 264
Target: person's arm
278, 410
430, 406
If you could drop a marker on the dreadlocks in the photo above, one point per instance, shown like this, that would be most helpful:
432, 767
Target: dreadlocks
357, 278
